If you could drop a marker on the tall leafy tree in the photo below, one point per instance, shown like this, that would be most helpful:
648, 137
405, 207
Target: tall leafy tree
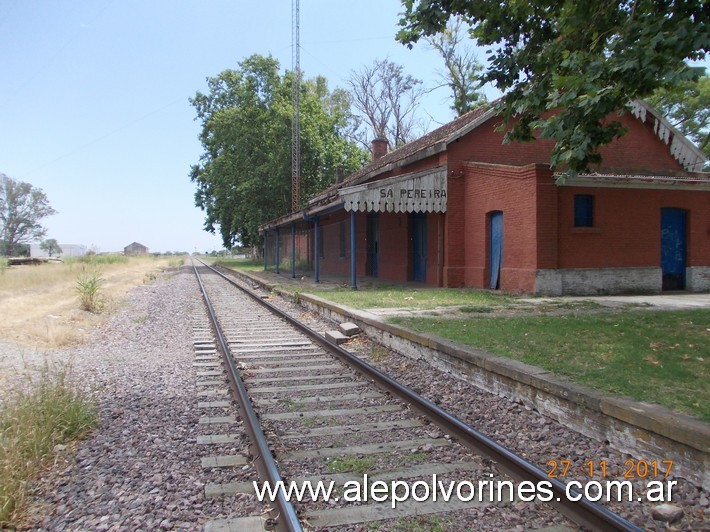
243, 177
50, 246
462, 71
584, 60
22, 206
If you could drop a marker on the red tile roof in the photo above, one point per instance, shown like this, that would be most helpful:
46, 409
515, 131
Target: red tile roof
429, 140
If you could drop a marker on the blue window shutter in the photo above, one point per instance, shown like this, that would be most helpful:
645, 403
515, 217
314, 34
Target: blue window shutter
583, 210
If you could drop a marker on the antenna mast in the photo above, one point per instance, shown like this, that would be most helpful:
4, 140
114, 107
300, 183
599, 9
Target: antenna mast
296, 106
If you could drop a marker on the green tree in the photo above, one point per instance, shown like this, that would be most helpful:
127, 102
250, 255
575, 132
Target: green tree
243, 178
687, 107
584, 60
462, 69
22, 206
50, 246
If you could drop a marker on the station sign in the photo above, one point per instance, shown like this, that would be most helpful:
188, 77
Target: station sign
416, 192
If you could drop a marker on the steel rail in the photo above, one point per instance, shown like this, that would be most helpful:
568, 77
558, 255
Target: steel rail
583, 511
286, 519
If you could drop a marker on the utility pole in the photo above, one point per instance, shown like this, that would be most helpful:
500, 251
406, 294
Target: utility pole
296, 105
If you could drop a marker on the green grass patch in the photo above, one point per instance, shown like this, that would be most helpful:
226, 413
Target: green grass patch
313, 421
387, 296
176, 262
247, 265
35, 418
423, 523
294, 405
412, 458
97, 259
378, 353
654, 356
347, 464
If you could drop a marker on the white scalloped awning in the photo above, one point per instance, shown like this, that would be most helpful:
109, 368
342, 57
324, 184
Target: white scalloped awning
418, 192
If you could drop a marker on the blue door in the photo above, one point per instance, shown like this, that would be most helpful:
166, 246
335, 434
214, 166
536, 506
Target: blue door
496, 247
372, 233
673, 248
419, 247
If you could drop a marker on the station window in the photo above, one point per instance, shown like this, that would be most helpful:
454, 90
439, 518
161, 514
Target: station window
583, 210
343, 246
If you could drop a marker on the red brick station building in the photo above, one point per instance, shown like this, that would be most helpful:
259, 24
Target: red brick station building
459, 208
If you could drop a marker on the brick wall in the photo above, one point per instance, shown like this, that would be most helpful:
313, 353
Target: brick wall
485, 175
394, 255
512, 190
454, 233
331, 262
435, 248
638, 151
394, 262
627, 227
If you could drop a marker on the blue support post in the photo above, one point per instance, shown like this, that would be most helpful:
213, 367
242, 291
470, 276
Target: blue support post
353, 262
278, 249
266, 238
293, 250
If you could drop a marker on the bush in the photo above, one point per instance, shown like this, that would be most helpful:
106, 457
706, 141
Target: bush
34, 419
88, 284
176, 262
93, 258
103, 259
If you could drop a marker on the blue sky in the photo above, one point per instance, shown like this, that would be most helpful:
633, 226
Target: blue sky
94, 99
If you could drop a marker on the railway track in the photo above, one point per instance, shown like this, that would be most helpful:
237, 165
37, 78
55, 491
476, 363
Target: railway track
310, 411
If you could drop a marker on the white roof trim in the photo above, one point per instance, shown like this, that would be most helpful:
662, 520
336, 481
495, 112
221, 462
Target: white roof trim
685, 152
697, 183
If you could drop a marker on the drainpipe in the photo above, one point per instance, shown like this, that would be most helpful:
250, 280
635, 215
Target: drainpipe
353, 262
293, 250
314, 221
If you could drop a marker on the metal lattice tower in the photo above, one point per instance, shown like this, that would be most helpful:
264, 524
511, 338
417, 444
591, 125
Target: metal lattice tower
296, 105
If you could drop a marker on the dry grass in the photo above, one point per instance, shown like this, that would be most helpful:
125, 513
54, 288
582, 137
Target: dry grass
40, 416
42, 408
39, 304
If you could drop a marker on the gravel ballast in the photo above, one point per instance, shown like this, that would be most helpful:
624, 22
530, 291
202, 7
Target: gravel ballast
533, 436
140, 469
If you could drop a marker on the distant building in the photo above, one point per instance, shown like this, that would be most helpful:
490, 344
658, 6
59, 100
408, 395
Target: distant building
135, 249
68, 250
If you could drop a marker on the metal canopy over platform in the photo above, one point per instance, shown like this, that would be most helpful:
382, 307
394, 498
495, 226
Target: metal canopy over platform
415, 192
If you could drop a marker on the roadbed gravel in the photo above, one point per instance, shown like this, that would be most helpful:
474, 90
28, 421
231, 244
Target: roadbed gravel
140, 469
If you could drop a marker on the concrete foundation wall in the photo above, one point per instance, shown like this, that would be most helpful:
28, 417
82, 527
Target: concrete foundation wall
697, 278
598, 281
